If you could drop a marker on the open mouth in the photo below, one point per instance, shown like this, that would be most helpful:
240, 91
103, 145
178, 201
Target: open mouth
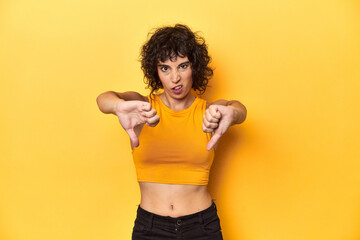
177, 89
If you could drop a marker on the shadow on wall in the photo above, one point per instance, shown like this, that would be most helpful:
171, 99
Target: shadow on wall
230, 142
224, 154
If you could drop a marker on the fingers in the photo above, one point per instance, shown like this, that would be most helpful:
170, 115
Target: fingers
211, 119
209, 127
150, 117
148, 113
213, 114
144, 106
153, 121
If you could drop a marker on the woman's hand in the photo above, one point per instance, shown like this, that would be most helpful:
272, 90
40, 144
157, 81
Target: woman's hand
217, 119
134, 113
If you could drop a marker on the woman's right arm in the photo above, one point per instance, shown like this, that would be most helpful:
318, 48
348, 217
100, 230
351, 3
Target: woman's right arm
109, 101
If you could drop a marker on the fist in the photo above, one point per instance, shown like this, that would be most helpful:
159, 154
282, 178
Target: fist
211, 119
217, 119
135, 113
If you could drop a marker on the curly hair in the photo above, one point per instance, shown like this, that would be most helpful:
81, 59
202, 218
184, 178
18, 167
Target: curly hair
170, 42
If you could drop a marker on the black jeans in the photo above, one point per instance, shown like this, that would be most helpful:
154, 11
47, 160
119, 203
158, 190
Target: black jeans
203, 225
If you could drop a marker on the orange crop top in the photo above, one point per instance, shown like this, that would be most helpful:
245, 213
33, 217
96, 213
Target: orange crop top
174, 151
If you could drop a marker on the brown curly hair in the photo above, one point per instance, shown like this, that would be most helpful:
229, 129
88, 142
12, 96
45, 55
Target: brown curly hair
168, 43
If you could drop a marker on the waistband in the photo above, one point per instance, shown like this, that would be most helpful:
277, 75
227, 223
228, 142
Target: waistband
191, 218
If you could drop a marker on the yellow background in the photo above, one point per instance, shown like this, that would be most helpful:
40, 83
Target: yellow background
291, 171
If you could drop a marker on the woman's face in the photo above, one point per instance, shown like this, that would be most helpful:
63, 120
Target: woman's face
176, 77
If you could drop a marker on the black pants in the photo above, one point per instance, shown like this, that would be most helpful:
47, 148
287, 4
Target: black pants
203, 225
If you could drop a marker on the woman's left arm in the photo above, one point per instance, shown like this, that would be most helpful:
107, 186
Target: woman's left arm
220, 115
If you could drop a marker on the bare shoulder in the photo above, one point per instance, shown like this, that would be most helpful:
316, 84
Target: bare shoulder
132, 96
217, 102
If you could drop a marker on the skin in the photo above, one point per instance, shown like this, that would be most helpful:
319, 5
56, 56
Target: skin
133, 111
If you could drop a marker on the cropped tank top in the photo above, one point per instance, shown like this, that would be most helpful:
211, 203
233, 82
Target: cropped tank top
174, 151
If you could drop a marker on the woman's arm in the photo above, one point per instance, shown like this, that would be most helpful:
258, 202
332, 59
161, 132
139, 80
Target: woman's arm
219, 116
108, 101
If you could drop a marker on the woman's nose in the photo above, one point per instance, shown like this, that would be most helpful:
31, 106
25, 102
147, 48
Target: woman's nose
175, 77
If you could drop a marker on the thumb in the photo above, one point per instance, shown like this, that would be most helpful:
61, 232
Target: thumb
133, 138
217, 112
213, 141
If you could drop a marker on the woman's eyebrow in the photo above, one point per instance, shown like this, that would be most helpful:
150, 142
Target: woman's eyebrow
184, 63
164, 65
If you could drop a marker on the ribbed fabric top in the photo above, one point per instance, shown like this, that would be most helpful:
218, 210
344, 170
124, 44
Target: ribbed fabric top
174, 151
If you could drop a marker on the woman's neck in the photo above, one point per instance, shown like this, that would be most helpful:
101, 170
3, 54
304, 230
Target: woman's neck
177, 104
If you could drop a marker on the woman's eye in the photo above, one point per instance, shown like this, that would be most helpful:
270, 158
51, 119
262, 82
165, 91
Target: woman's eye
164, 69
184, 66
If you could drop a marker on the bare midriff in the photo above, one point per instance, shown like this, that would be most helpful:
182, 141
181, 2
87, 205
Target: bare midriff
174, 200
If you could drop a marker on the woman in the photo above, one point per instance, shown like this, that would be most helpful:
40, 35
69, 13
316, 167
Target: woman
173, 135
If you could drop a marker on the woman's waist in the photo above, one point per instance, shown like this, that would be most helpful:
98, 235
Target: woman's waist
174, 200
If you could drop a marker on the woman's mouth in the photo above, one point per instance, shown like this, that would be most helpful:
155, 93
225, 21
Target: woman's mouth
177, 89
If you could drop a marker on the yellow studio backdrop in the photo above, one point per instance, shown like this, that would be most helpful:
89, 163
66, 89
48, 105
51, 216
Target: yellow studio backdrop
291, 171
